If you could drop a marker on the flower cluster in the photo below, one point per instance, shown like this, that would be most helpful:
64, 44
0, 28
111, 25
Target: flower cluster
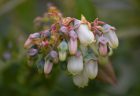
80, 44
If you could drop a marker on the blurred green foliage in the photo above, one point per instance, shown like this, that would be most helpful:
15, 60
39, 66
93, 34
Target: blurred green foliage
17, 78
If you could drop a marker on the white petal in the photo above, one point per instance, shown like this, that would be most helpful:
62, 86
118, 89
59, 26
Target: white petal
91, 69
80, 80
85, 36
111, 35
114, 40
75, 65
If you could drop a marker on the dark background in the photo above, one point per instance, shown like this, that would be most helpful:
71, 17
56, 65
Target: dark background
16, 23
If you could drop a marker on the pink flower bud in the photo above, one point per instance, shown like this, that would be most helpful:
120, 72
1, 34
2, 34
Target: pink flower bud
32, 52
45, 43
64, 29
46, 34
72, 46
28, 43
76, 23
73, 34
62, 48
54, 56
33, 39
103, 48
48, 67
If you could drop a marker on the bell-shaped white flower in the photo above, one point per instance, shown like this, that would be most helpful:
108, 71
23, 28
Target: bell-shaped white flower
85, 36
91, 69
62, 55
48, 67
111, 35
75, 64
62, 50
81, 80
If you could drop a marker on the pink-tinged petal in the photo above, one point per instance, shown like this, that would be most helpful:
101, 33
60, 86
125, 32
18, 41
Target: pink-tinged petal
32, 52
72, 46
28, 43
48, 67
45, 43
73, 34
64, 29
103, 46
103, 50
54, 56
